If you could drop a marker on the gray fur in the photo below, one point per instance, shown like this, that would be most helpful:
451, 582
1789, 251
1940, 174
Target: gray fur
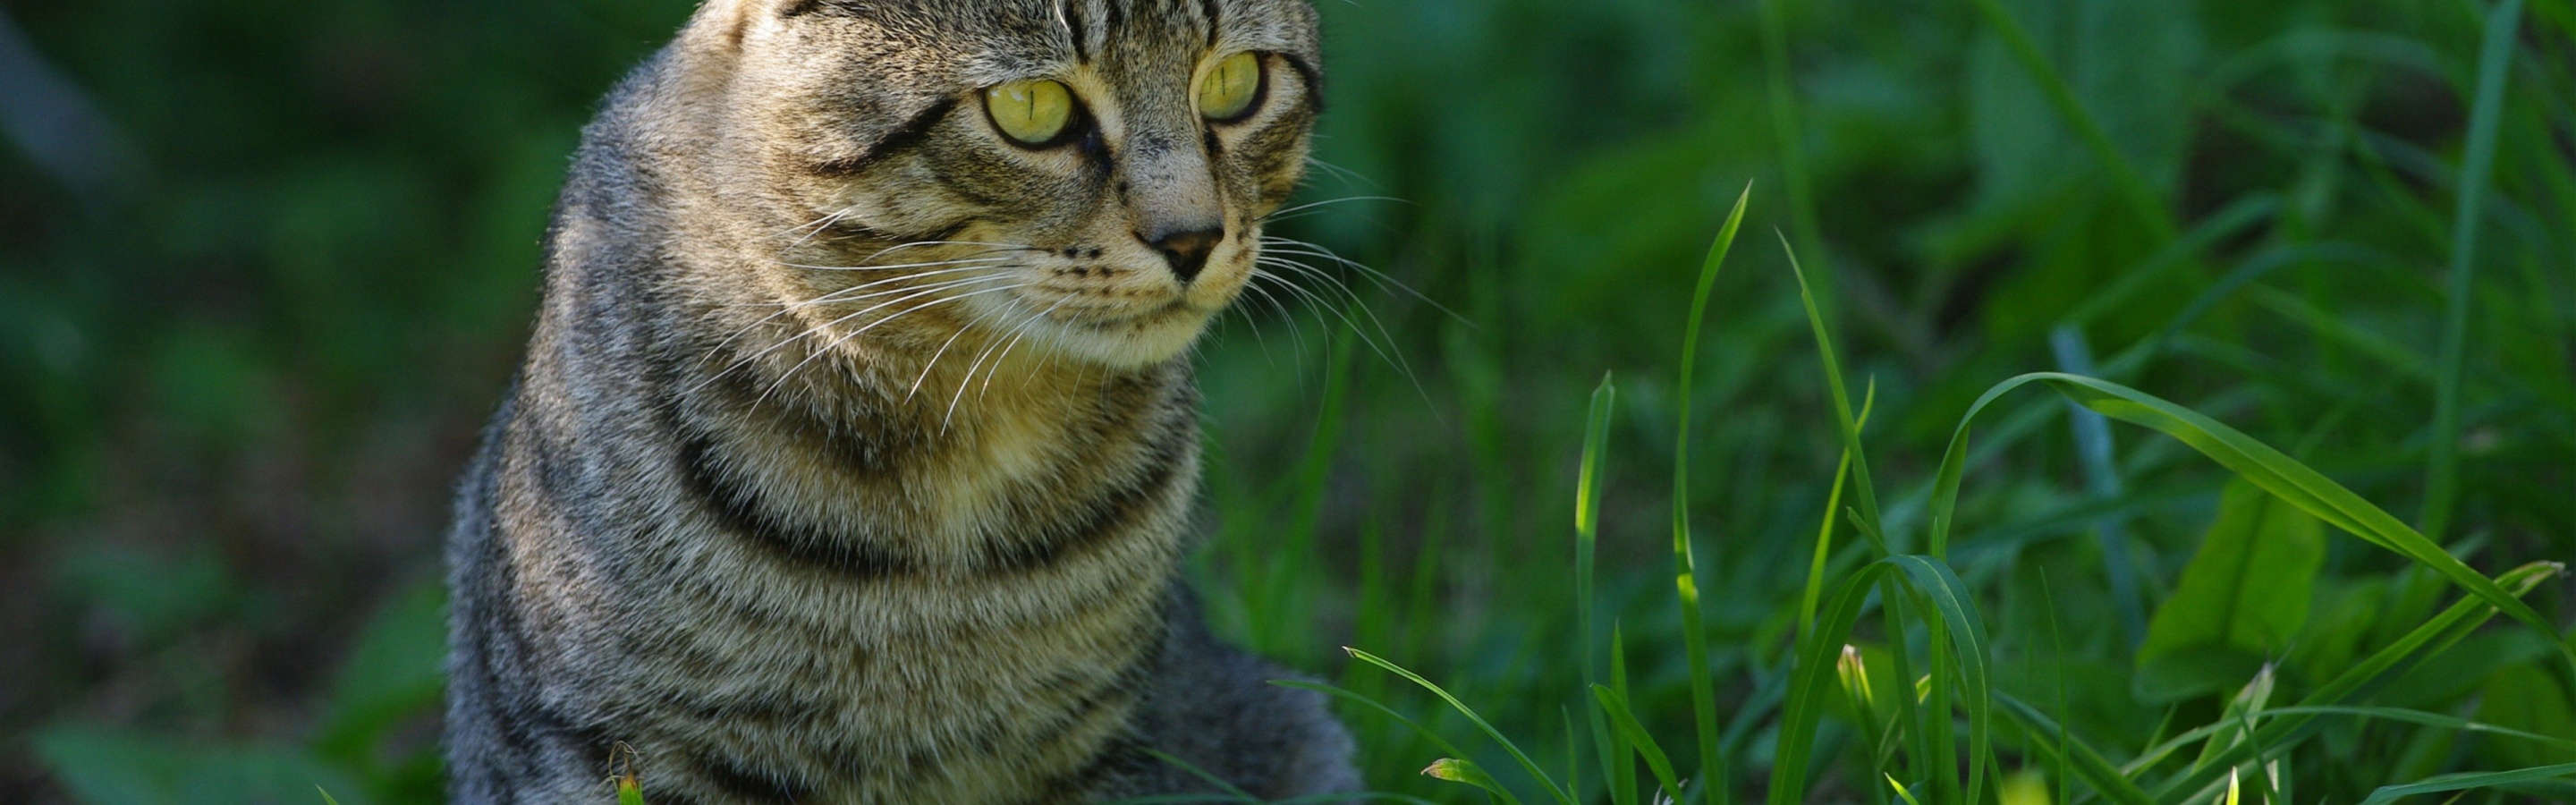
750, 509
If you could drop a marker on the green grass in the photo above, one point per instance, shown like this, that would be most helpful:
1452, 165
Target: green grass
2275, 678
2246, 739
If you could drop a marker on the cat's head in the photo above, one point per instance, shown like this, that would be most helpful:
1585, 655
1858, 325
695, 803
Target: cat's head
1090, 173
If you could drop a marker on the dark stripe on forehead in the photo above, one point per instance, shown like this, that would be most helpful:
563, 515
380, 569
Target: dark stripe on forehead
1071, 11
902, 137
1208, 9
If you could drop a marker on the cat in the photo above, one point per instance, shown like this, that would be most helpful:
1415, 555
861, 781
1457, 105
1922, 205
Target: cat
854, 452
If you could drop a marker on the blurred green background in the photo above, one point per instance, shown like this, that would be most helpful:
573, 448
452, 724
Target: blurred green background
266, 264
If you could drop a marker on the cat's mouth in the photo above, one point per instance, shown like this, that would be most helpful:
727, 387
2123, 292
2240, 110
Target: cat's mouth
1112, 319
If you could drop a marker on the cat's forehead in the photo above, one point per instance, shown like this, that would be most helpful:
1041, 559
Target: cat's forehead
985, 41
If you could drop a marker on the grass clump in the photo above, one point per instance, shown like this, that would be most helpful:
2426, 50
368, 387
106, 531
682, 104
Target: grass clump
1921, 596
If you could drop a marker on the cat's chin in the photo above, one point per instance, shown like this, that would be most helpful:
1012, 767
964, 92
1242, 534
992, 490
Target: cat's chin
1128, 342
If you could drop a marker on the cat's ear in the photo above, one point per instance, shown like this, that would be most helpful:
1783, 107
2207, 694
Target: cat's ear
720, 24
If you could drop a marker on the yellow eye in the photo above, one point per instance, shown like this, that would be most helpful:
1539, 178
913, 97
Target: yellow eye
1229, 89
1032, 112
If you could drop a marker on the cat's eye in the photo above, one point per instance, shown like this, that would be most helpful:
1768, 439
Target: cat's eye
1035, 112
1230, 88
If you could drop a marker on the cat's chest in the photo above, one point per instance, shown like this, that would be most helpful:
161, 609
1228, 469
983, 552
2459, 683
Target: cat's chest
900, 702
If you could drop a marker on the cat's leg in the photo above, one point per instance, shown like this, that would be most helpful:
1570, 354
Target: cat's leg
1212, 706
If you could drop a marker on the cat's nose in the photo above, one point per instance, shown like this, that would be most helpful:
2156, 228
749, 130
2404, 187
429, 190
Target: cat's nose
1185, 248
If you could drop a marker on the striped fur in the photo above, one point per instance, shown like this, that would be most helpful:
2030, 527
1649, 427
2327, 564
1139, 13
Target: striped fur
802, 509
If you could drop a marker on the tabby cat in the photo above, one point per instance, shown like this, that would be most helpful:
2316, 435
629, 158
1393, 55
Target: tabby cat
856, 446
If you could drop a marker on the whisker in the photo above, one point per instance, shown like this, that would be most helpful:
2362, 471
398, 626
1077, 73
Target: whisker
933, 363
822, 226
1007, 247
914, 294
1381, 278
1284, 315
1290, 216
1333, 306
818, 224
1313, 204
1349, 177
1015, 344
1250, 322
1322, 309
969, 263
969, 258
1390, 353
1321, 324
836, 343
948, 418
841, 294
835, 297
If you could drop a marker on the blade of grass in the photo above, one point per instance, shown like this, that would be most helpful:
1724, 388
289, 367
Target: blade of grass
2426, 640
2160, 751
1587, 515
1573, 767
1443, 744
2469, 780
1816, 681
1949, 596
1916, 740
2256, 462
1361, 796
1466, 772
1825, 531
1619, 683
2442, 473
1934, 691
1232, 791
1843, 418
2426, 719
1587, 530
1686, 577
1907, 795
1523, 758
2089, 763
2253, 696
2057, 669
1616, 706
